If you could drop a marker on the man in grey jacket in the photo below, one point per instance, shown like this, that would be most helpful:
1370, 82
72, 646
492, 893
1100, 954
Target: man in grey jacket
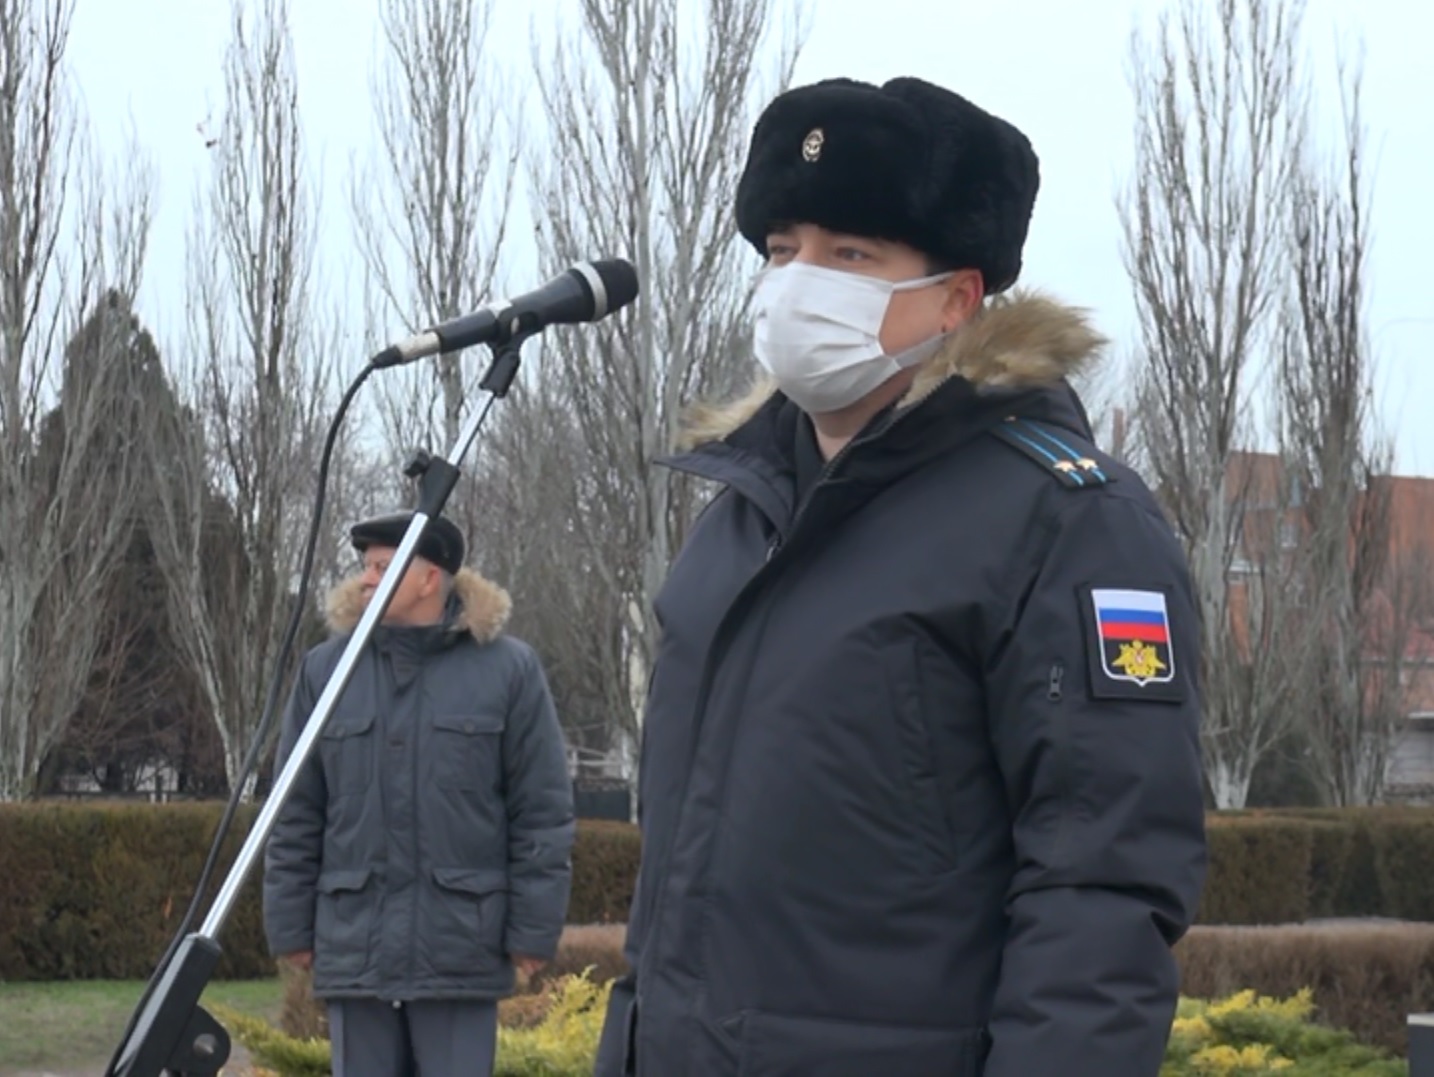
424, 851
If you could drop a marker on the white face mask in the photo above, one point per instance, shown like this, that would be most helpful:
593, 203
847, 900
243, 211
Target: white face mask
817, 333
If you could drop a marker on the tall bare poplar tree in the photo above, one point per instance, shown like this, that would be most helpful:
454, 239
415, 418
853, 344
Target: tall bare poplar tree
649, 110
234, 515
432, 210
1220, 105
1357, 614
69, 234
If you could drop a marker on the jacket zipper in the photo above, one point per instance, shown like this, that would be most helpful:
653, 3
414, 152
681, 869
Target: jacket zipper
654, 911
1053, 692
828, 474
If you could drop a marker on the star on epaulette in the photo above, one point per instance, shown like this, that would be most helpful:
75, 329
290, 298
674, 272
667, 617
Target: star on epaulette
1047, 446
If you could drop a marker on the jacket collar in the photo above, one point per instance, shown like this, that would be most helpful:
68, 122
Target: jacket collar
478, 607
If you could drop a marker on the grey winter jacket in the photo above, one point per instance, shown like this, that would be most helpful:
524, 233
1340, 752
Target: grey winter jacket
920, 783
428, 836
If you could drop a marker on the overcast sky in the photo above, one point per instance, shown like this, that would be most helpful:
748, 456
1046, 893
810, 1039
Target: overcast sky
1053, 67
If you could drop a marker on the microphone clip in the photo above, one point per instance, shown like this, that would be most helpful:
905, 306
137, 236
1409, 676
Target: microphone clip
503, 369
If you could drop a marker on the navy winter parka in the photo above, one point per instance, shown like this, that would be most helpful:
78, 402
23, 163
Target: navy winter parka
920, 780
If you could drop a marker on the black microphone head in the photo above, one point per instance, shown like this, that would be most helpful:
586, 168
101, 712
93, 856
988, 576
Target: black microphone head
612, 283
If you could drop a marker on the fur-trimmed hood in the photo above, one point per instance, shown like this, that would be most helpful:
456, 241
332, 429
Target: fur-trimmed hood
483, 606
1025, 340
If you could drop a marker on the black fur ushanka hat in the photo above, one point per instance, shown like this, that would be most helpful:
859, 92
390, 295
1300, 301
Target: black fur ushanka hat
906, 161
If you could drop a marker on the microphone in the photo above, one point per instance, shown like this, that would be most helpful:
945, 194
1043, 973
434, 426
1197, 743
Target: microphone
588, 292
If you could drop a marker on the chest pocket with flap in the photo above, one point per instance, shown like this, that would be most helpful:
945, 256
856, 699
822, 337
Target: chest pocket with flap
468, 751
347, 749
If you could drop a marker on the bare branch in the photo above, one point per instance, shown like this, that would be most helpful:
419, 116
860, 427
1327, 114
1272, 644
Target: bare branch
71, 248
1358, 621
432, 211
241, 460
652, 106
1221, 122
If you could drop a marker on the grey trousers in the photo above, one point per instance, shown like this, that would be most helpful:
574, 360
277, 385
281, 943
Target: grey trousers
372, 1038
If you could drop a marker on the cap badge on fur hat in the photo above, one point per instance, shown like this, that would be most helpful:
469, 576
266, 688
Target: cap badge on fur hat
812, 145
907, 161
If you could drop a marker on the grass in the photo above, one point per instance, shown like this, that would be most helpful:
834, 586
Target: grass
65, 1026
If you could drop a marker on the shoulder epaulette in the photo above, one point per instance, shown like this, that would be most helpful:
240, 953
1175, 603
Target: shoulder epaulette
1052, 449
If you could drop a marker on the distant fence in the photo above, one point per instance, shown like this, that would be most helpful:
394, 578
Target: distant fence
129, 796
605, 802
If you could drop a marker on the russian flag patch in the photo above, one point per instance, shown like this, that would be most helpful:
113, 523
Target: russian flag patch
1132, 636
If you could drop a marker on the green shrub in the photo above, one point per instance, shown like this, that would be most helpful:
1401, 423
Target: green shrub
1284, 866
287, 1056
605, 858
1332, 849
1365, 977
593, 951
561, 1042
96, 891
1401, 846
565, 1042
1247, 1035
1241, 1036
1260, 871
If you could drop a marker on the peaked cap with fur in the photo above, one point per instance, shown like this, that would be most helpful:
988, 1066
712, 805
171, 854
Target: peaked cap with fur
906, 161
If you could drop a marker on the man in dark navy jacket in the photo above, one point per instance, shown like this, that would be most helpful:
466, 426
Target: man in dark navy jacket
920, 787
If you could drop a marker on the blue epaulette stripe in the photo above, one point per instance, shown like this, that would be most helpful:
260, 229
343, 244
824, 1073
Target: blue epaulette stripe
1074, 455
1052, 457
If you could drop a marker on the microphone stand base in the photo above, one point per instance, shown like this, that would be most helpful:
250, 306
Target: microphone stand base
175, 1035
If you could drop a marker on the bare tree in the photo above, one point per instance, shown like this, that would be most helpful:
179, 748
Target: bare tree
1220, 123
649, 109
234, 513
432, 212
1357, 622
68, 235
529, 537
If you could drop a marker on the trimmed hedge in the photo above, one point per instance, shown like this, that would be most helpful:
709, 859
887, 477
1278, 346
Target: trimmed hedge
605, 858
1290, 865
95, 891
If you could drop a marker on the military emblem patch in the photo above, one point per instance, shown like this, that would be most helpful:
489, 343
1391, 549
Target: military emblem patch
1131, 649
